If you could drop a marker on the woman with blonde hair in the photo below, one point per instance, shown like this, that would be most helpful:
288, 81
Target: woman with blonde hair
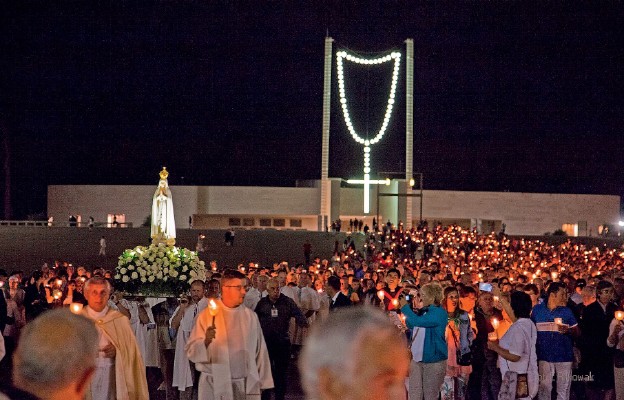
427, 375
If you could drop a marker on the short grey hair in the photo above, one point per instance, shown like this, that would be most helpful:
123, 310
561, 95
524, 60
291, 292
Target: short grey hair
332, 343
98, 280
54, 350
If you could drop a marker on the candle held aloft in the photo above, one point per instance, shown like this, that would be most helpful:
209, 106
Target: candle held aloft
381, 295
495, 323
619, 315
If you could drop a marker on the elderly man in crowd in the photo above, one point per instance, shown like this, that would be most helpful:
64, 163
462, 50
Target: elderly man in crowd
275, 312
55, 358
120, 372
228, 348
366, 357
182, 321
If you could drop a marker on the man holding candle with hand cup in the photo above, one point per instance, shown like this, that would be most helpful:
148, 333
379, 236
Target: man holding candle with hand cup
556, 325
616, 340
228, 348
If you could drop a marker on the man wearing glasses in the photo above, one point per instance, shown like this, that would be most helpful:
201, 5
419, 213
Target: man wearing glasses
228, 348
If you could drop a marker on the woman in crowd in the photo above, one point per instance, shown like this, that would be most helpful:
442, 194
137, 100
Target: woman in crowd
427, 376
459, 337
516, 351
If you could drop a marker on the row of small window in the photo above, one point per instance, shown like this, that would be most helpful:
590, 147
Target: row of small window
266, 222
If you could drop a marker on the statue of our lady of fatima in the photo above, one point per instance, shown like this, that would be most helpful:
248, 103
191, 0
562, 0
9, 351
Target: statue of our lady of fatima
163, 223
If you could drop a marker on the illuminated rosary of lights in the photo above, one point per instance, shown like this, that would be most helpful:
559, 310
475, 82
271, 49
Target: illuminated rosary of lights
340, 56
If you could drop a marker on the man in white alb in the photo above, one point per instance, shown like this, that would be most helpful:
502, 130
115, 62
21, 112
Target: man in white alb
182, 321
228, 348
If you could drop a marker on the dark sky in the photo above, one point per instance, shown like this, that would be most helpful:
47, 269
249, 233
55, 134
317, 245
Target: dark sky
515, 96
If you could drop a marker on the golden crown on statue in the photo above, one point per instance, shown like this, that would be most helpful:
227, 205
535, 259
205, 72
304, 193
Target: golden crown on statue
164, 174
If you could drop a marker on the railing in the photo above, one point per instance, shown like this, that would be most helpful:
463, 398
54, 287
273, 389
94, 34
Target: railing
55, 224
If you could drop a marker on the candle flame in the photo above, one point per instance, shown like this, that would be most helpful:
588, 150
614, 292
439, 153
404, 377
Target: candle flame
381, 295
76, 308
212, 306
619, 315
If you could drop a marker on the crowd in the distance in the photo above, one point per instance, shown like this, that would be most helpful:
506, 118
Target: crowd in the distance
483, 316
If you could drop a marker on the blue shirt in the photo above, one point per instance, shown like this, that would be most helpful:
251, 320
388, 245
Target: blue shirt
553, 346
435, 320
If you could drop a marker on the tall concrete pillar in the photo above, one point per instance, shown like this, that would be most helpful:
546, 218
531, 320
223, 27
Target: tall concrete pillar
325, 207
409, 129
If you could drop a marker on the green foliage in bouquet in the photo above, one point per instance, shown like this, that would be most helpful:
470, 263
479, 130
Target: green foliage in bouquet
157, 270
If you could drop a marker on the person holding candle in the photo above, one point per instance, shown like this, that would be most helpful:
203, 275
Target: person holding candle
616, 341
120, 371
429, 374
516, 350
228, 348
485, 379
556, 327
459, 336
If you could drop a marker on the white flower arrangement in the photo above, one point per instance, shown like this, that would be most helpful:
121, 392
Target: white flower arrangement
158, 270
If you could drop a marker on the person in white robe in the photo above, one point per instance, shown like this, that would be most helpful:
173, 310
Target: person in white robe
144, 328
308, 301
182, 321
120, 371
228, 349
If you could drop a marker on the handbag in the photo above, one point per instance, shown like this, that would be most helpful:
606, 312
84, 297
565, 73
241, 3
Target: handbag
515, 385
464, 359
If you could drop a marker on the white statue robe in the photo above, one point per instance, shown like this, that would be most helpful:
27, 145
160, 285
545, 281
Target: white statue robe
182, 374
163, 222
241, 351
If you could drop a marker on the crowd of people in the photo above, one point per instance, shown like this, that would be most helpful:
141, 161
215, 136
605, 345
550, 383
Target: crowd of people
461, 314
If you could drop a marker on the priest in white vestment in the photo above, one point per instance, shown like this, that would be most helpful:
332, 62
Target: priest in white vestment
228, 348
120, 372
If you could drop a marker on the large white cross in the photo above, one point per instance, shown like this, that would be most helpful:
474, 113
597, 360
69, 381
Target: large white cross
367, 181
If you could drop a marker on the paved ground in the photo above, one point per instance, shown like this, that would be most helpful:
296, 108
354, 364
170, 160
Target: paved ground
29, 247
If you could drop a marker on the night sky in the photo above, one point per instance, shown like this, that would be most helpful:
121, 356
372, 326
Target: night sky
509, 96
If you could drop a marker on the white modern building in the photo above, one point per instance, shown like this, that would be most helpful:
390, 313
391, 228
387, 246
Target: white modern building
218, 207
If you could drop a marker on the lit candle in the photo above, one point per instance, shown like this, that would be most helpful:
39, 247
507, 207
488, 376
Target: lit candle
554, 275
381, 295
395, 302
619, 315
492, 336
213, 309
496, 299
495, 323
57, 294
76, 308
559, 321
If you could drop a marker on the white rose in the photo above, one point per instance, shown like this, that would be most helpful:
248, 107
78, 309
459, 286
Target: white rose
161, 254
173, 273
165, 271
193, 274
151, 259
151, 279
182, 277
165, 262
125, 278
117, 276
143, 279
184, 268
123, 271
135, 275
159, 275
130, 267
